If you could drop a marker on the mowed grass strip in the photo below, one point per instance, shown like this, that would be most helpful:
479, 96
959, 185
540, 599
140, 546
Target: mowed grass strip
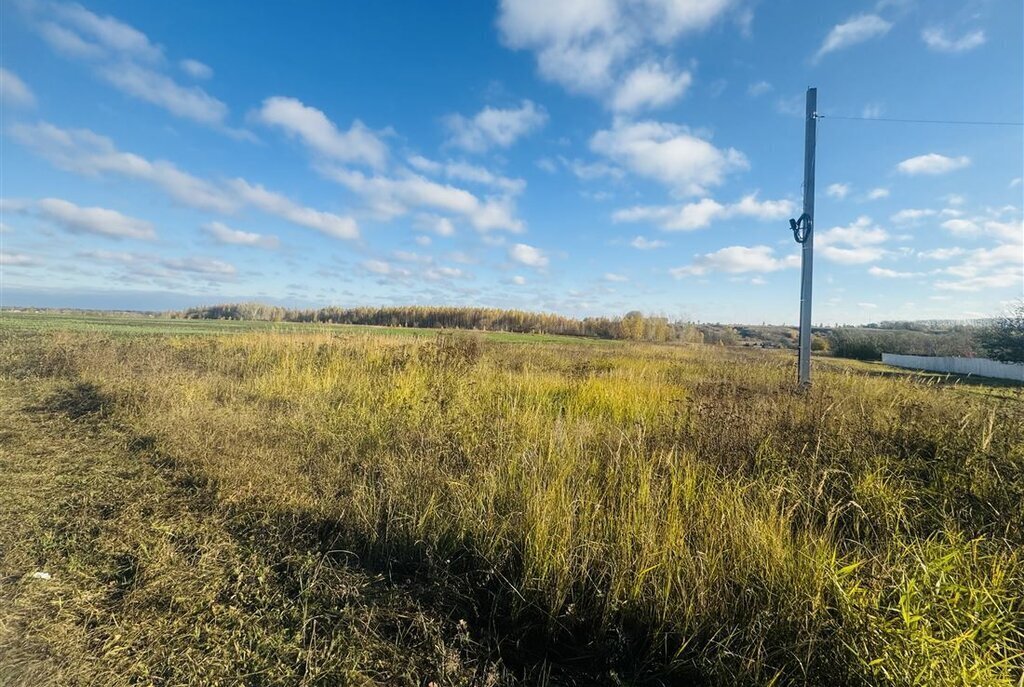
665, 513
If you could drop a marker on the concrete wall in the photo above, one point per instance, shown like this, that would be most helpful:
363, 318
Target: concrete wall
980, 367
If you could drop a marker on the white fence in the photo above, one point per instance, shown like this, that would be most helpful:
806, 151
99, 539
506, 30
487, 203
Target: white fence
981, 367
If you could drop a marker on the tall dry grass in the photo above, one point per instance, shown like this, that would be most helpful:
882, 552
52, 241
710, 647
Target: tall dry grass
680, 511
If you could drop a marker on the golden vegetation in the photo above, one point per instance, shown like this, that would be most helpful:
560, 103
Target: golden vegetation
667, 511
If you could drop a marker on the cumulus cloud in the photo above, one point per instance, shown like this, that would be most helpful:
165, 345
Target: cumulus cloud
595, 46
615, 278
225, 234
16, 259
461, 170
13, 90
891, 274
857, 243
758, 88
528, 255
932, 163
494, 127
937, 39
395, 196
94, 220
837, 190
986, 268
273, 203
737, 260
188, 102
87, 153
642, 243
128, 60
196, 69
357, 145
878, 193
962, 227
650, 85
207, 267
854, 30
668, 153
702, 213
911, 215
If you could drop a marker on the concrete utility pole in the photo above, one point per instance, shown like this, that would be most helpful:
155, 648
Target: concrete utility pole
803, 232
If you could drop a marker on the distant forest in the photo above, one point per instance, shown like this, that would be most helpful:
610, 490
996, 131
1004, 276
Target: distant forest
634, 326
999, 338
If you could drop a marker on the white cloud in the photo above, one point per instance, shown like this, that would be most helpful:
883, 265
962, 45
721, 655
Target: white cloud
13, 90
854, 30
518, 280
196, 69
871, 111
758, 88
273, 203
494, 127
962, 227
650, 85
641, 243
588, 171
736, 260
936, 39
225, 234
528, 255
857, 243
203, 266
911, 215
108, 32
188, 102
588, 46
703, 212
932, 163
394, 196
442, 226
878, 193
838, 190
1014, 183
891, 274
94, 220
359, 144
941, 253
612, 277
668, 153
987, 268
84, 152
16, 259
423, 240
475, 174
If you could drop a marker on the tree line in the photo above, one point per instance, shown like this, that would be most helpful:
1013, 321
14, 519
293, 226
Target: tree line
634, 326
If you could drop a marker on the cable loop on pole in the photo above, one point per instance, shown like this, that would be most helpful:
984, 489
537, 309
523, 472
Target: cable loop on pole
801, 228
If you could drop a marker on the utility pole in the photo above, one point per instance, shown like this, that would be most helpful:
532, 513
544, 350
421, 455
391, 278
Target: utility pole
803, 232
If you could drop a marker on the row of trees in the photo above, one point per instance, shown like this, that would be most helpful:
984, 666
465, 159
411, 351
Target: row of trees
634, 326
1001, 338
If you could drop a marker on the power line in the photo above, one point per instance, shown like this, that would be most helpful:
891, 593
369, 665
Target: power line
922, 121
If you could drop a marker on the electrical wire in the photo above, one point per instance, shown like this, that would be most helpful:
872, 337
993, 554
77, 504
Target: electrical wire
921, 121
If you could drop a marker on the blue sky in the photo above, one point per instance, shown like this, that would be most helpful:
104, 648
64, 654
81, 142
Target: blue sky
584, 157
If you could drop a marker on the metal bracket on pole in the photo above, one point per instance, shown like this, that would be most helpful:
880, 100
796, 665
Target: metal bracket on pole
803, 232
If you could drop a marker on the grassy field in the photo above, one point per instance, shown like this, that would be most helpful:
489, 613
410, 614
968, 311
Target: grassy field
137, 325
337, 505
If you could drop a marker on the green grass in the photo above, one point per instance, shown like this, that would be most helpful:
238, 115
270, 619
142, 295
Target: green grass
591, 514
142, 325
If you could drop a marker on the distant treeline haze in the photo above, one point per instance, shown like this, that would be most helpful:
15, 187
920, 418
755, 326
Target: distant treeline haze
1000, 338
634, 326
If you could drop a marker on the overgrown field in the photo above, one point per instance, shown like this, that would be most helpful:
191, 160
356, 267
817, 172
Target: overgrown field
559, 512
